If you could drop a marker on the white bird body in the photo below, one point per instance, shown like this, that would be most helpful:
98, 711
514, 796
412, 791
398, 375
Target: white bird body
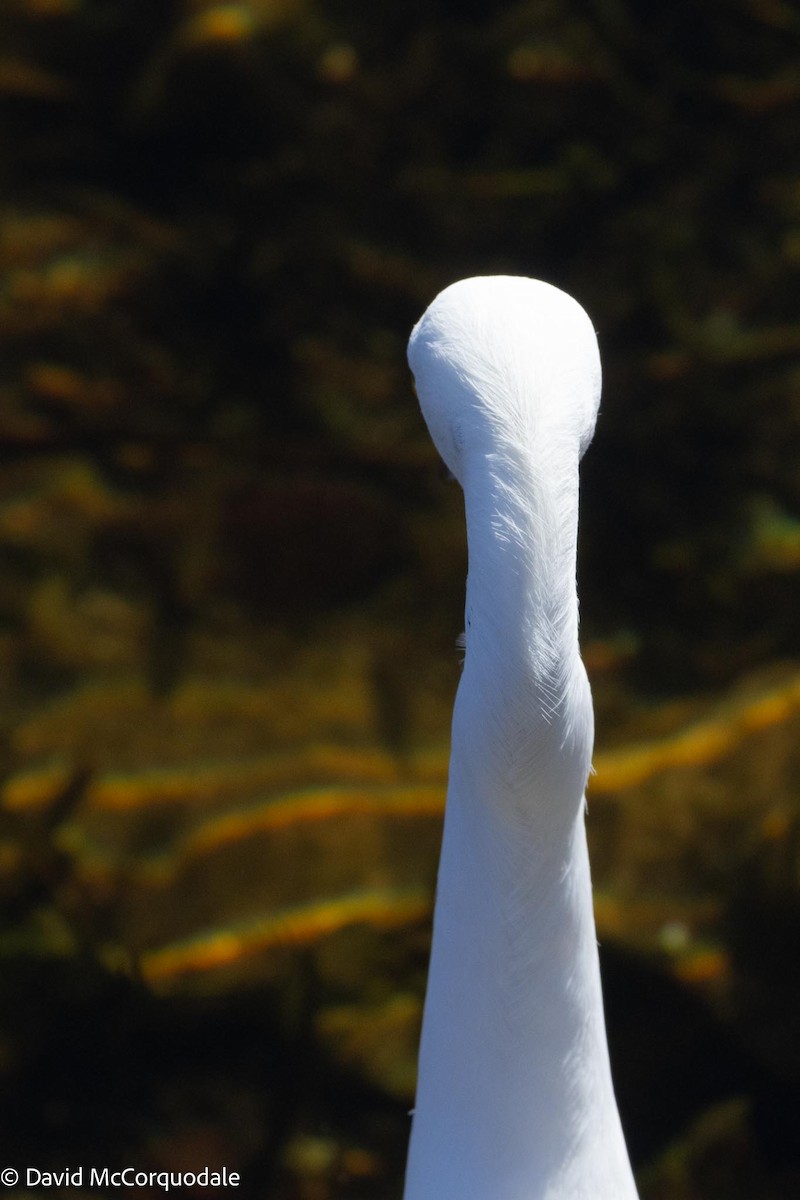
515, 1099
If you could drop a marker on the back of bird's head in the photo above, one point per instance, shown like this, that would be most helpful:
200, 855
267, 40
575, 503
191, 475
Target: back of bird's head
507, 354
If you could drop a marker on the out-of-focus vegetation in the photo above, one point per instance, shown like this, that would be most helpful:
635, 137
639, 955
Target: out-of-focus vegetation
230, 578
221, 219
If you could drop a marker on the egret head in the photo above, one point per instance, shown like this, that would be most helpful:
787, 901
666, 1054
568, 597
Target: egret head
497, 358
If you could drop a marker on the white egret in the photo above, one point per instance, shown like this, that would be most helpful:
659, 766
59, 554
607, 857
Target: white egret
515, 1099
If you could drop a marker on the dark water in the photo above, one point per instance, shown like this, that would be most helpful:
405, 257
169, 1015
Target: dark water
231, 575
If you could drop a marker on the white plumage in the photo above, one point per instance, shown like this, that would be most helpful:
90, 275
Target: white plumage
515, 1100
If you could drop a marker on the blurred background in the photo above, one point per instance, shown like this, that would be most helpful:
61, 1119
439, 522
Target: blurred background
231, 574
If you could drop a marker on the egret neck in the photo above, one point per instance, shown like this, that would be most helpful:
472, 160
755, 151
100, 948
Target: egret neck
515, 1099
